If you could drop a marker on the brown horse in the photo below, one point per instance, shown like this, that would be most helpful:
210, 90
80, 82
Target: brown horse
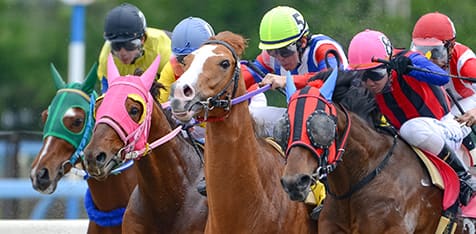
64, 137
242, 170
375, 182
165, 200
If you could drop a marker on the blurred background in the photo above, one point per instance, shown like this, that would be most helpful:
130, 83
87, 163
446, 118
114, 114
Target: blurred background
34, 34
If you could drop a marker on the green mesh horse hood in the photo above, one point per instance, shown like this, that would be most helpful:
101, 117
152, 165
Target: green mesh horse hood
73, 95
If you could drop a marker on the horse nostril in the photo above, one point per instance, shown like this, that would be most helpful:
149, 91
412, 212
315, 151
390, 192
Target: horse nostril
42, 175
101, 157
304, 180
187, 91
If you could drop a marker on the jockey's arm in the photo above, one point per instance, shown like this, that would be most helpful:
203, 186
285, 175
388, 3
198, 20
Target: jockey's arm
430, 77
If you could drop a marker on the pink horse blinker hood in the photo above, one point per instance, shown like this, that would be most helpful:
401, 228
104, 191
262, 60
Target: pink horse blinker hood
112, 110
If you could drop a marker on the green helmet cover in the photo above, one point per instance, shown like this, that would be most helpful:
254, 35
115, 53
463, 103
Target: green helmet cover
280, 27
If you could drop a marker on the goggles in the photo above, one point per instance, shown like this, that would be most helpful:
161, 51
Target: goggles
437, 53
283, 52
375, 74
127, 45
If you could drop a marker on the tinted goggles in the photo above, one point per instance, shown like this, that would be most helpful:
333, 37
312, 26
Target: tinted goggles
127, 45
438, 53
283, 52
375, 74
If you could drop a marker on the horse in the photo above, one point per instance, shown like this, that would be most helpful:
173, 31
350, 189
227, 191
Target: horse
241, 169
375, 182
165, 200
64, 136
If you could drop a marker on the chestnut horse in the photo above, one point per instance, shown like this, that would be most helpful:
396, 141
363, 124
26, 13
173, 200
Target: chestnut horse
68, 121
375, 182
166, 199
242, 170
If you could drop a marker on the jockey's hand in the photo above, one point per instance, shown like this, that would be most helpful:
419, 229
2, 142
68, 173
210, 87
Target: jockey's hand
401, 64
469, 118
276, 81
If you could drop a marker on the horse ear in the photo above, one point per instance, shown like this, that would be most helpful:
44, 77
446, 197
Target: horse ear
327, 89
149, 75
59, 82
290, 86
112, 71
88, 85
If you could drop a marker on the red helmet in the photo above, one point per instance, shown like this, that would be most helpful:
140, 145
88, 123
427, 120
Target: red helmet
433, 29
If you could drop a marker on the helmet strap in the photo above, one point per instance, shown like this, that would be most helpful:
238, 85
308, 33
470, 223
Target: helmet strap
300, 48
449, 45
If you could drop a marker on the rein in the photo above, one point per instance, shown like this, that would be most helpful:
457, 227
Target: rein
131, 155
369, 177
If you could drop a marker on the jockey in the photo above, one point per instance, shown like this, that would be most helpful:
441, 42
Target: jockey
133, 45
435, 36
287, 45
413, 101
187, 36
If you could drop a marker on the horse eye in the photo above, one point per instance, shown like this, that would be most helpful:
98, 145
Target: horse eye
225, 64
78, 122
134, 111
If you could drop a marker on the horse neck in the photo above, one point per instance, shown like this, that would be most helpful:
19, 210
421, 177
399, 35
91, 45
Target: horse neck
364, 150
170, 167
232, 142
114, 192
231, 151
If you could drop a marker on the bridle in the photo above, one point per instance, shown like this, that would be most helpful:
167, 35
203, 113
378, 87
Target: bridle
217, 100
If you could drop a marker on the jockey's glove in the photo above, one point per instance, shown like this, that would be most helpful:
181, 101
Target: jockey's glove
401, 64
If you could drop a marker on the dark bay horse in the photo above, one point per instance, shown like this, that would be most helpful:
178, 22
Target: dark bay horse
64, 136
375, 182
129, 124
241, 169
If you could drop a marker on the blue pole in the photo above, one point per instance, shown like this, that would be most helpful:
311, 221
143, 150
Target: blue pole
76, 46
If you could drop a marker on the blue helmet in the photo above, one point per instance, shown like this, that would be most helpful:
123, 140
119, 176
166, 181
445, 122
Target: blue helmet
189, 34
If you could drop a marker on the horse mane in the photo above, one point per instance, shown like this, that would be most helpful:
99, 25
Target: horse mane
351, 94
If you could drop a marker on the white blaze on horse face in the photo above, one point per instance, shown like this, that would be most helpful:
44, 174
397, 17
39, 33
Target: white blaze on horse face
44, 150
190, 76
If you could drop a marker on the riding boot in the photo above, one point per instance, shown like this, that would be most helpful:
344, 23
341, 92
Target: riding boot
467, 182
202, 187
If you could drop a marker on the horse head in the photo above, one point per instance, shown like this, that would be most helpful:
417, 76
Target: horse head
210, 79
308, 132
65, 131
123, 117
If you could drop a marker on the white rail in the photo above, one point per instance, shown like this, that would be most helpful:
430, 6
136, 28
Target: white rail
46, 226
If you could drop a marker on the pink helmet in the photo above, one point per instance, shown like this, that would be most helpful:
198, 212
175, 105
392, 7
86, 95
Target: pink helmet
367, 45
